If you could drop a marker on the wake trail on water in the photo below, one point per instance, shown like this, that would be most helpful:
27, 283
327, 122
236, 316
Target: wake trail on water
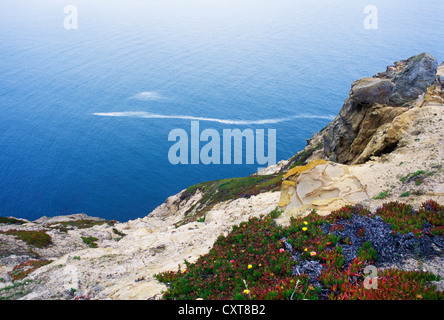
147, 115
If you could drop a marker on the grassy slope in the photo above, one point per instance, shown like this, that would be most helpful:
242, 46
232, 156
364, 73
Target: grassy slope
227, 189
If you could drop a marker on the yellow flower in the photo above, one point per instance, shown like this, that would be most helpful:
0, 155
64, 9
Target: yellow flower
246, 291
199, 299
250, 266
304, 229
305, 222
305, 249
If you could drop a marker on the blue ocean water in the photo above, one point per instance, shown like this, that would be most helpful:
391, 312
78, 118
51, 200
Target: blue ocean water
239, 60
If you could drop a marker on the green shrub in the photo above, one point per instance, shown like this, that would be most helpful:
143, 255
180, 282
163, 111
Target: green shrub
90, 241
119, 233
367, 252
382, 195
405, 194
38, 239
6, 220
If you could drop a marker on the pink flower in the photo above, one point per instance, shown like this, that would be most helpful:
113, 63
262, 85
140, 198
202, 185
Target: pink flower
231, 261
281, 250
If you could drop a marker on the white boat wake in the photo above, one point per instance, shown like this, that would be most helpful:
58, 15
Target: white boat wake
142, 114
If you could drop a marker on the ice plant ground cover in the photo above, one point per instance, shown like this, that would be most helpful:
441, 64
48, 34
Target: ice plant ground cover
318, 257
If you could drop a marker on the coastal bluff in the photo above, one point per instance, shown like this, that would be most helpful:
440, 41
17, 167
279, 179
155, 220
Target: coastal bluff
386, 144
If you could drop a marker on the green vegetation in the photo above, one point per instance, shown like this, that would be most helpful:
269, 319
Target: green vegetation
404, 219
227, 189
318, 146
15, 291
38, 239
119, 233
82, 224
382, 195
256, 260
367, 253
300, 158
405, 194
6, 220
90, 241
419, 176
411, 176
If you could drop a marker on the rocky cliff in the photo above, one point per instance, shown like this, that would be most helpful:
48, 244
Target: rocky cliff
372, 104
386, 144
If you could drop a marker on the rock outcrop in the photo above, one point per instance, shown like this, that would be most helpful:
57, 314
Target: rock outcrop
373, 102
411, 172
410, 77
320, 185
382, 118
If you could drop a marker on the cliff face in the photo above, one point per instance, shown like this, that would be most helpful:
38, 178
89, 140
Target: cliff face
412, 172
389, 127
386, 144
373, 102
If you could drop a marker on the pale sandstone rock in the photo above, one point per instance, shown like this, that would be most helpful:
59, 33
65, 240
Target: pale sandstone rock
320, 185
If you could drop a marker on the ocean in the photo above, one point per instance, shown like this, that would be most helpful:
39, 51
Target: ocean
86, 111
